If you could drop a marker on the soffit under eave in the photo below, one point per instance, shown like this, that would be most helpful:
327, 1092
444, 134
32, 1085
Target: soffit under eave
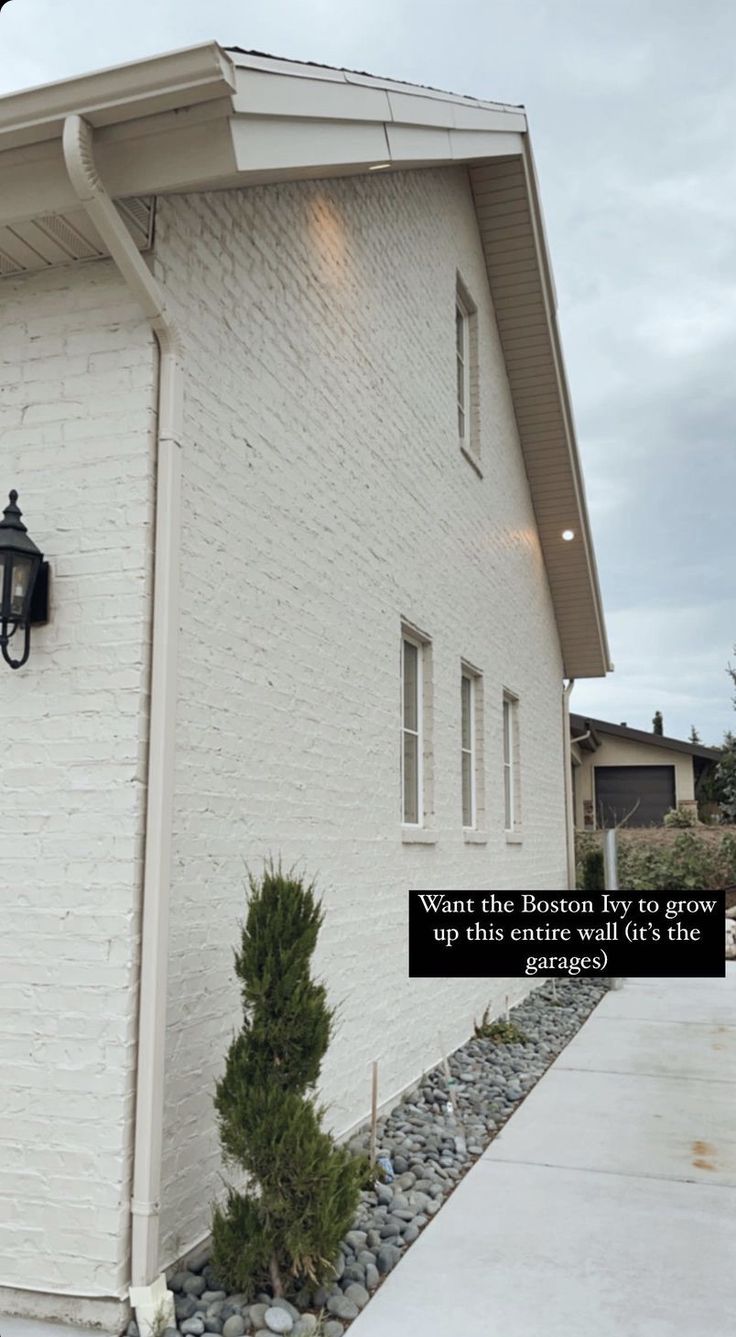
512, 251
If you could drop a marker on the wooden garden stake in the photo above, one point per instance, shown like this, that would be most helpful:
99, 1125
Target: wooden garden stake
374, 1110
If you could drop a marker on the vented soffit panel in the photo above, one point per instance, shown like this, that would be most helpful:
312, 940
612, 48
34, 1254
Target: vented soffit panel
62, 239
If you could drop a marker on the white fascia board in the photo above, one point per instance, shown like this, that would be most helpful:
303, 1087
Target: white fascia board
261, 93
124, 92
408, 109
243, 60
416, 143
293, 69
273, 93
275, 144
466, 145
422, 91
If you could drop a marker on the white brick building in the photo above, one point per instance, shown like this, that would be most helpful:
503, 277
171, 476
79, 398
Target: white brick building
325, 403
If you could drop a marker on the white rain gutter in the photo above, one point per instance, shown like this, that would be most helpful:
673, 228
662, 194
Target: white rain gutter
148, 1294
569, 813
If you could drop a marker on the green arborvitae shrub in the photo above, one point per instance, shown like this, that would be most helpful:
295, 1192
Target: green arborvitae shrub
302, 1189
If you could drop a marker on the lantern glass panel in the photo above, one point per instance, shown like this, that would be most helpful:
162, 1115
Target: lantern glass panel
21, 586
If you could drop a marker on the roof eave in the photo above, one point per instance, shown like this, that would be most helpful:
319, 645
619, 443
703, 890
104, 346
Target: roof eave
117, 94
253, 119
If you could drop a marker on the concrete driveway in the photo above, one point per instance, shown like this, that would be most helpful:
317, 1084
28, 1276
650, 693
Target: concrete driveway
607, 1205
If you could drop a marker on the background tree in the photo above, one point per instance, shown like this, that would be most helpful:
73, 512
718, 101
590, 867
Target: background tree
722, 782
694, 735
658, 722
302, 1189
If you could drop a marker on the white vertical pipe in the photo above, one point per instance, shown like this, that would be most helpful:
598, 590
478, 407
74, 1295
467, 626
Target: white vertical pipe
610, 861
145, 1204
569, 814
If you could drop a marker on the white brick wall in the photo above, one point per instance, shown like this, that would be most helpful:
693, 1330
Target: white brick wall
76, 405
325, 498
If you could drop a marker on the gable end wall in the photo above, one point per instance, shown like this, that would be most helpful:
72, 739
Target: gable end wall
325, 498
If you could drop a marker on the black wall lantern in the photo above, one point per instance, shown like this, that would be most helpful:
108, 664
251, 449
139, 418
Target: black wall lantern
24, 583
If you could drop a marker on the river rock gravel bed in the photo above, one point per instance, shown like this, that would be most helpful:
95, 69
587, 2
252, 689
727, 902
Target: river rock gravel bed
432, 1137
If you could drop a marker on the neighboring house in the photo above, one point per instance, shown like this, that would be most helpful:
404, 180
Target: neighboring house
622, 774
301, 457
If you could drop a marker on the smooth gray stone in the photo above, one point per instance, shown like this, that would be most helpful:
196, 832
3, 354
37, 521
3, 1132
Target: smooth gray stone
387, 1257
357, 1239
277, 1320
342, 1307
287, 1306
358, 1294
304, 1326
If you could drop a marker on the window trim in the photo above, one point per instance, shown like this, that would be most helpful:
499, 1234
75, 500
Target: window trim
419, 646
471, 752
462, 359
510, 704
467, 403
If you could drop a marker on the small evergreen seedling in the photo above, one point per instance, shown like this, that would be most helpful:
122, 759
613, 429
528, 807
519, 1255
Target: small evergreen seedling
302, 1189
501, 1032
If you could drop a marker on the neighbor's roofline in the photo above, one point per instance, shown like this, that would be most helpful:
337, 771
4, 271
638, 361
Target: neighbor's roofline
584, 722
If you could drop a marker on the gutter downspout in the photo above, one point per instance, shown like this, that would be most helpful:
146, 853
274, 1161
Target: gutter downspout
148, 1293
569, 813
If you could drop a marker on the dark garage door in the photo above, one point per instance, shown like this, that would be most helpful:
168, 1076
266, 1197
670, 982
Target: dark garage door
619, 788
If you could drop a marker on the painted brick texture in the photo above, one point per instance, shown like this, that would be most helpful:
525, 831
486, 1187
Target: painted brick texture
325, 499
76, 417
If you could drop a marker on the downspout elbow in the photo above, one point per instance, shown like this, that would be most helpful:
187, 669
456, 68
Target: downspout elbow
78, 148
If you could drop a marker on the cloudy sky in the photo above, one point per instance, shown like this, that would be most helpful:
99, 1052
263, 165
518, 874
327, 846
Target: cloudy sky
632, 108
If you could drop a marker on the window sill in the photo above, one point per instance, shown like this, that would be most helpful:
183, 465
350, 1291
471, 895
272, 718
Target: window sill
472, 459
472, 837
417, 835
513, 837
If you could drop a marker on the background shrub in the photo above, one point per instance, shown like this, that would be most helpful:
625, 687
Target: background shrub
661, 860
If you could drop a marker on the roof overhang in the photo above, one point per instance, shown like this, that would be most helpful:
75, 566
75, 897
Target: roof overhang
600, 729
208, 119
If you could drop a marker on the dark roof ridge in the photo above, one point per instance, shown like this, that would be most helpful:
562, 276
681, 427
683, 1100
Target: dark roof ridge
581, 723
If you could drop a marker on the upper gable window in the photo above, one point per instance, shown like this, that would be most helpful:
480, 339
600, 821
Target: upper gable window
462, 350
466, 368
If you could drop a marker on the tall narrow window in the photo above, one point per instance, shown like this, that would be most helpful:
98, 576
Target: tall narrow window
411, 732
462, 358
509, 778
467, 748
